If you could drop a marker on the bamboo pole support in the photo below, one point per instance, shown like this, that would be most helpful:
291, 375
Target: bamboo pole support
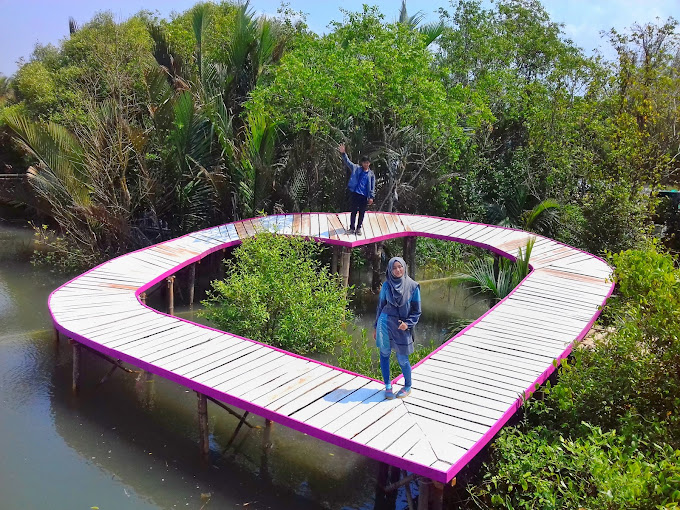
192, 283
55, 335
171, 294
142, 298
76, 366
203, 430
346, 260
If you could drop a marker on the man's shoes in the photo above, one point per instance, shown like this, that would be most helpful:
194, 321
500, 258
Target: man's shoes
351, 231
358, 231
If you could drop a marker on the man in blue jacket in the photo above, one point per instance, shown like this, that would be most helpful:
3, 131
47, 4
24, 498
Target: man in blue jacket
361, 186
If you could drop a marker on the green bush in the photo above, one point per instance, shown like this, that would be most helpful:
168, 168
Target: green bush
363, 358
277, 292
607, 435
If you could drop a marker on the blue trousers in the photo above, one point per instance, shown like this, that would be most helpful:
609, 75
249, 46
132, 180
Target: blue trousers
404, 364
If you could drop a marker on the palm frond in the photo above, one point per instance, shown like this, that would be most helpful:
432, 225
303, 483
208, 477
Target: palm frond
59, 152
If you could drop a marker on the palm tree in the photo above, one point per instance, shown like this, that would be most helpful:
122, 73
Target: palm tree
430, 31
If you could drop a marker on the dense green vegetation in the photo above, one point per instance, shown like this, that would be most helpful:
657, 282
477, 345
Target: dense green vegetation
140, 130
277, 291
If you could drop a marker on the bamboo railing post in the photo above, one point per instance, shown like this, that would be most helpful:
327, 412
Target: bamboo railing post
203, 429
192, 283
346, 260
171, 295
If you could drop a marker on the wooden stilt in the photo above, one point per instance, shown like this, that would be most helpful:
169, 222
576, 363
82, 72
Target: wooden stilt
203, 429
238, 427
76, 366
346, 260
375, 280
410, 255
192, 283
142, 298
430, 495
171, 295
220, 265
55, 335
437, 496
380, 484
407, 488
334, 259
424, 486
266, 447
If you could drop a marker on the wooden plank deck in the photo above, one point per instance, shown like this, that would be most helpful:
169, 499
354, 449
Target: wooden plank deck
463, 393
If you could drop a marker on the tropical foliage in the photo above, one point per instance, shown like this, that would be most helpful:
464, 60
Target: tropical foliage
276, 291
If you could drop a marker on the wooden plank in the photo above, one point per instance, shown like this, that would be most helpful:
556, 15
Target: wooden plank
421, 452
370, 415
179, 338
447, 410
457, 381
373, 405
345, 405
439, 432
368, 228
392, 225
216, 361
418, 395
489, 401
491, 360
386, 429
335, 226
303, 400
476, 342
375, 226
193, 353
284, 379
259, 372
382, 225
248, 363
279, 391
305, 225
508, 381
241, 230
324, 226
250, 228
332, 398
514, 343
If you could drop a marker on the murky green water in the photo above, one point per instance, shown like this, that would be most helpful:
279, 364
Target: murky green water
129, 443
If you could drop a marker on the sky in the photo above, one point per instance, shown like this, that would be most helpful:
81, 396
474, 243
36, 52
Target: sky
27, 22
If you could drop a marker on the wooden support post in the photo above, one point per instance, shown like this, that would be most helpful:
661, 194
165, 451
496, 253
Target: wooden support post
375, 280
410, 255
76, 366
430, 495
334, 259
220, 265
203, 429
266, 447
142, 298
346, 260
192, 283
55, 335
171, 294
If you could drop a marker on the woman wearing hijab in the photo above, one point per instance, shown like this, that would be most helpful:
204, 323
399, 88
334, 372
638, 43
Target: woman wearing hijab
398, 311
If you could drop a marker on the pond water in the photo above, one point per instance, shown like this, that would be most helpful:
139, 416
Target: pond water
132, 443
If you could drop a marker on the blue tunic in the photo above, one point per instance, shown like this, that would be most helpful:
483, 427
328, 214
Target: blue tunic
388, 335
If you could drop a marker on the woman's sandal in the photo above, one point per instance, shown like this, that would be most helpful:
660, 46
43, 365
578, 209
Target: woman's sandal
403, 393
389, 395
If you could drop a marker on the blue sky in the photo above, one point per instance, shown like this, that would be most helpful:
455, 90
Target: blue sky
24, 23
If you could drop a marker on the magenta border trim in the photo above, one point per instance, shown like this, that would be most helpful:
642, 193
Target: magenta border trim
328, 437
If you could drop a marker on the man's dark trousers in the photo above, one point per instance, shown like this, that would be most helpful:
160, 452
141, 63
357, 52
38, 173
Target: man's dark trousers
358, 203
